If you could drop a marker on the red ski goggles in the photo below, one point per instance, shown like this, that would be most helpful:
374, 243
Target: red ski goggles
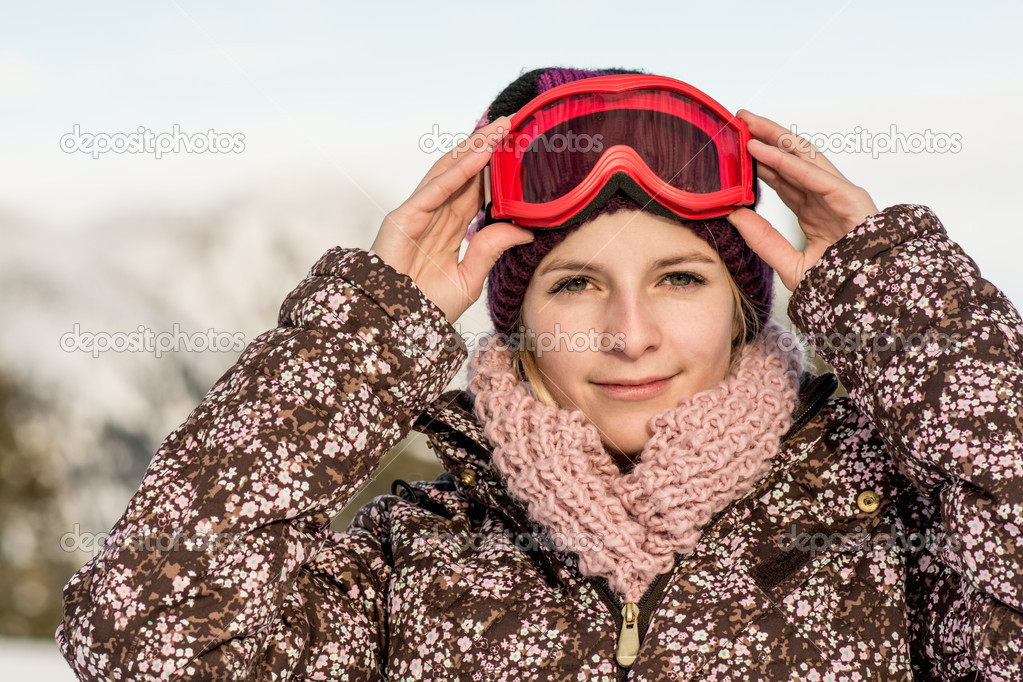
657, 139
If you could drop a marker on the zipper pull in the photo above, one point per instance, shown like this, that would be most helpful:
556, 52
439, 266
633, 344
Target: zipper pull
628, 640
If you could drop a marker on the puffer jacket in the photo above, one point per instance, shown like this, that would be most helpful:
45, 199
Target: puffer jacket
881, 545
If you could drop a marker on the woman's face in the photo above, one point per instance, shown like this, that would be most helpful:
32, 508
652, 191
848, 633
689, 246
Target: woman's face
632, 313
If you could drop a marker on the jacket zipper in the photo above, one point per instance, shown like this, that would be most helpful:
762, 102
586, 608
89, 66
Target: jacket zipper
632, 618
821, 389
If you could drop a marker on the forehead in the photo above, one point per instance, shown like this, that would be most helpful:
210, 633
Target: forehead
628, 238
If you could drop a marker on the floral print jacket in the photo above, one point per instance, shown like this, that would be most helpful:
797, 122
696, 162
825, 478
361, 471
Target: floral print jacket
884, 543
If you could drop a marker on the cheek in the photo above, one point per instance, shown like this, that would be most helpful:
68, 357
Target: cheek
555, 327
704, 334
562, 370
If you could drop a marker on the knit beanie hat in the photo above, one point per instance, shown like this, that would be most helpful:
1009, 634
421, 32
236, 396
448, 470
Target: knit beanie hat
509, 278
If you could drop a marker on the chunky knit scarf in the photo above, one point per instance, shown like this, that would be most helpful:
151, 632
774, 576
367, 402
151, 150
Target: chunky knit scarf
703, 454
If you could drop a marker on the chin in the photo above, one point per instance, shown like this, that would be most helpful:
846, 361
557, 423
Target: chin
626, 444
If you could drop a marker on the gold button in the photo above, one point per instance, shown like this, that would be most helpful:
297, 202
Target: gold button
468, 480
868, 501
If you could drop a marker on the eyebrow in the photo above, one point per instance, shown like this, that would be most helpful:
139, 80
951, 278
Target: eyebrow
579, 266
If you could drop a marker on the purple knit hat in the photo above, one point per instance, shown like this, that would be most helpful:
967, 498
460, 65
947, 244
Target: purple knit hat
508, 279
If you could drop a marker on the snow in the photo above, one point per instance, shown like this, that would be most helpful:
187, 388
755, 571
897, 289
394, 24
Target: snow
36, 660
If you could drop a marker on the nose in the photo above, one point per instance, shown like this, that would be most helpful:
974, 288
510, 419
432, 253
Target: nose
635, 324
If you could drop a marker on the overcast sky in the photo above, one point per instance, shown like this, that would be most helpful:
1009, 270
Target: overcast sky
344, 93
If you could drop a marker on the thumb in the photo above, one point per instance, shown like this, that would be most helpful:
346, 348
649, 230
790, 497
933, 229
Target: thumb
485, 248
769, 244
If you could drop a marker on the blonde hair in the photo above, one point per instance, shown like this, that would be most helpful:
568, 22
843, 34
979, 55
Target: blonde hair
745, 325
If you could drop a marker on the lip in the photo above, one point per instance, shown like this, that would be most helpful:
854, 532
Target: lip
641, 389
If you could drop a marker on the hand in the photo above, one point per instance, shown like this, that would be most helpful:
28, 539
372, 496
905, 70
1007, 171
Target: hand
421, 238
826, 204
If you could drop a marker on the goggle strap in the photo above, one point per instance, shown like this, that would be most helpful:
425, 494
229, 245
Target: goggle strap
755, 186
488, 214
486, 185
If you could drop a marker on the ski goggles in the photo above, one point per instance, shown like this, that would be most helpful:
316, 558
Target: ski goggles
655, 138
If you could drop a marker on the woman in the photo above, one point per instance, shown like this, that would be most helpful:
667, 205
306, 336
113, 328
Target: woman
669, 498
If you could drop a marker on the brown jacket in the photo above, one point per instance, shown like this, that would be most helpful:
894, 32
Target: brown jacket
881, 545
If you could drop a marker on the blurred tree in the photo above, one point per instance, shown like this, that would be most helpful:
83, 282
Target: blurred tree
33, 569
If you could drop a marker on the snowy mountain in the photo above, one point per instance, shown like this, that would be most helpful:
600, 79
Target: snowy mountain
99, 416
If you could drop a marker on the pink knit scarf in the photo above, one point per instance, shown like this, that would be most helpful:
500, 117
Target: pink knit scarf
701, 455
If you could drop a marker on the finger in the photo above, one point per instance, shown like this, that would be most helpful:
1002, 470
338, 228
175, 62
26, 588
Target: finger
440, 189
769, 132
795, 179
768, 243
483, 140
485, 248
795, 170
790, 195
761, 128
438, 214
768, 174
486, 138
465, 161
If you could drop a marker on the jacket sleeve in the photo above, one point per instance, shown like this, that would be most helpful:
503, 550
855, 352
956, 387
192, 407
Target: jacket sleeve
223, 565
931, 352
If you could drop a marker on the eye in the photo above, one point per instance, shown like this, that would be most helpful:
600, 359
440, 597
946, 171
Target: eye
570, 285
683, 279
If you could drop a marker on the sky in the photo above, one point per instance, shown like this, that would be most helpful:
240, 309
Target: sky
355, 95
